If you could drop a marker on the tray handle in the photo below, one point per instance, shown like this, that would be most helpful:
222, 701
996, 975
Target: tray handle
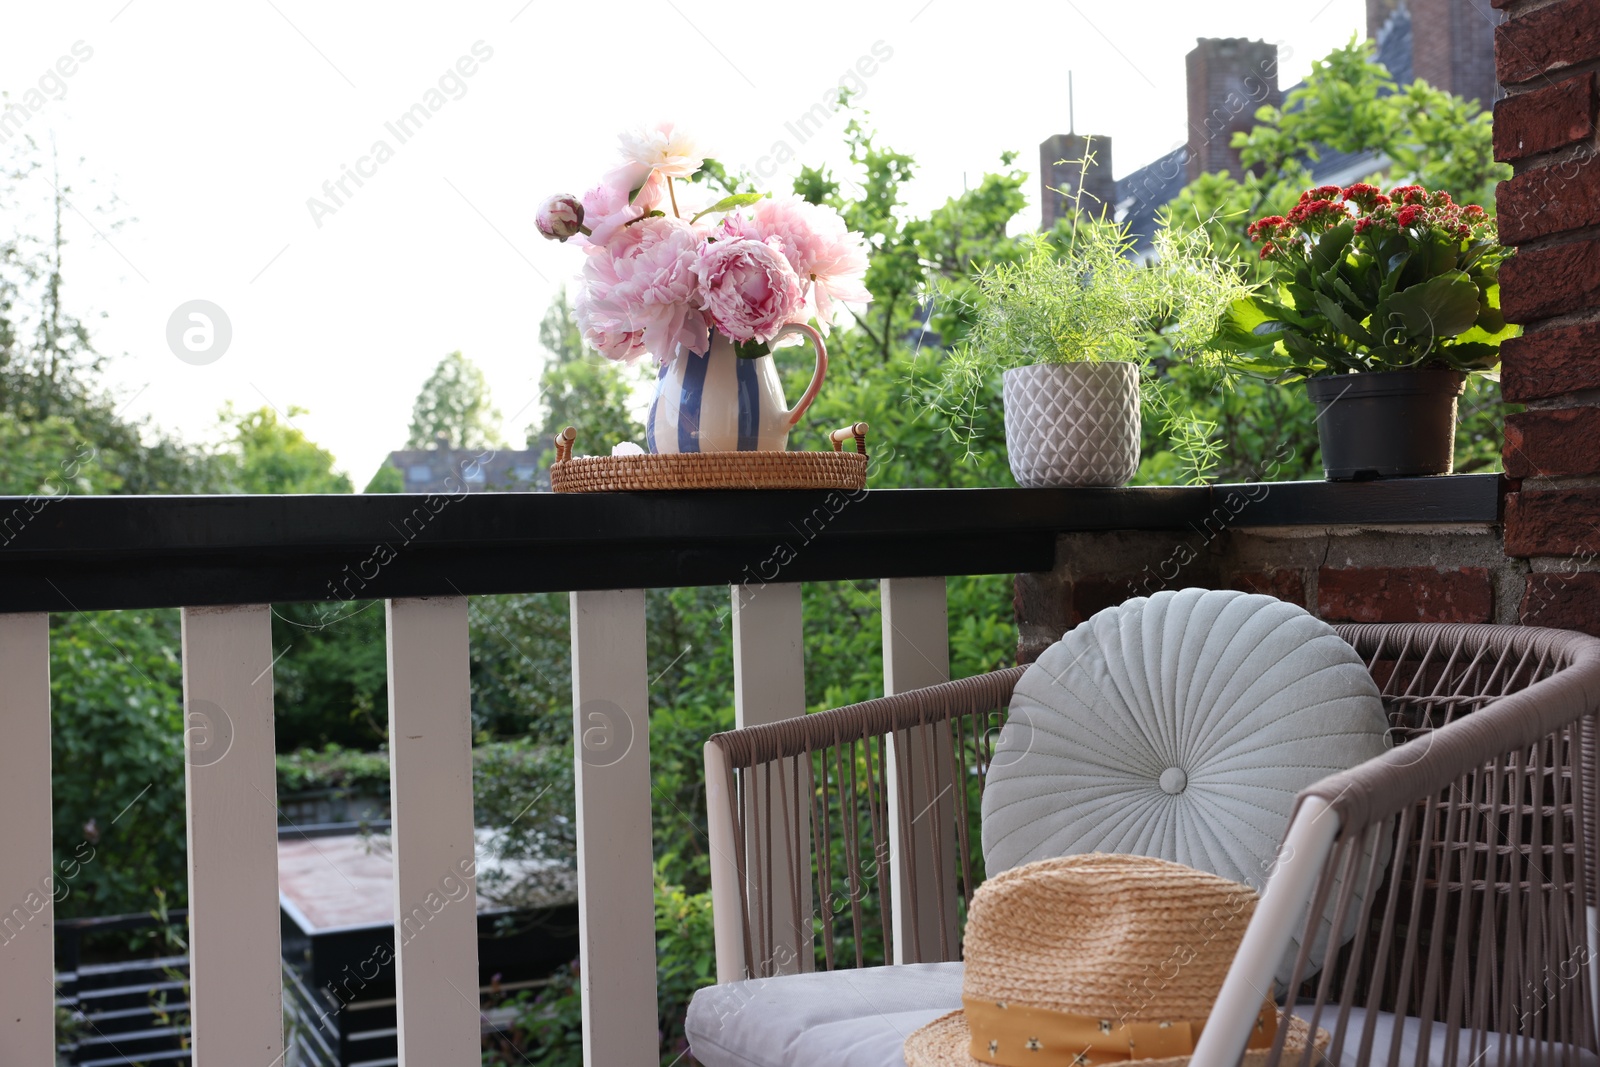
858, 430
564, 444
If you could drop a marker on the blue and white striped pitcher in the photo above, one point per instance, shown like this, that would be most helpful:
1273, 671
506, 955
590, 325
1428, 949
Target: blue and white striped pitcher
719, 402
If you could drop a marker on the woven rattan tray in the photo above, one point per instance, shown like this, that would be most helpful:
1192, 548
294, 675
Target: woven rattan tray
712, 470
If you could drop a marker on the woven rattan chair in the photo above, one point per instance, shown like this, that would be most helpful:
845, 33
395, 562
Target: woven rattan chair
1475, 943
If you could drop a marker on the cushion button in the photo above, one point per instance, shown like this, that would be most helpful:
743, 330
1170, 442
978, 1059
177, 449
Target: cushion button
1174, 781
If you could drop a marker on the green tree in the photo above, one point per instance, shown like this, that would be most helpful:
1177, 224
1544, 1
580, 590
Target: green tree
273, 456
116, 760
49, 367
47, 458
910, 256
387, 479
455, 402
1350, 103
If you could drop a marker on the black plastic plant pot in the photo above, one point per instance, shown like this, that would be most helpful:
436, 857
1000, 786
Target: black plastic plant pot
1387, 424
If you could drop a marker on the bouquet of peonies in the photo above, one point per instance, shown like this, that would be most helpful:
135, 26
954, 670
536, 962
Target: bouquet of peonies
658, 276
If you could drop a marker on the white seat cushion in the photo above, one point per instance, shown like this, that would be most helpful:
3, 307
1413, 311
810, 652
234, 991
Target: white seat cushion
849, 1018
1499, 1051
861, 1018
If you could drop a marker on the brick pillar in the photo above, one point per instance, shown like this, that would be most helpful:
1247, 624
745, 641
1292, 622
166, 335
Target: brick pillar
1378, 14
1545, 127
1452, 47
1059, 175
1229, 79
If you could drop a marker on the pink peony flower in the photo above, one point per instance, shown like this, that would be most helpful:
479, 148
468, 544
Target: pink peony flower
664, 148
641, 292
623, 195
560, 217
751, 291
605, 327
830, 260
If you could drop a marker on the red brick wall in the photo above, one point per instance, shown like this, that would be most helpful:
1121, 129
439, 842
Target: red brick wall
1547, 55
1435, 573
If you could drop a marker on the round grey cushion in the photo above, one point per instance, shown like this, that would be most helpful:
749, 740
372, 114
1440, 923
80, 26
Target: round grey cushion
1180, 726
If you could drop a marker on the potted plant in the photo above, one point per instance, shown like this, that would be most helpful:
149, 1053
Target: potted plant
1071, 329
1382, 304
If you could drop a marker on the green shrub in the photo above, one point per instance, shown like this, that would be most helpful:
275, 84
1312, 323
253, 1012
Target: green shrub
333, 767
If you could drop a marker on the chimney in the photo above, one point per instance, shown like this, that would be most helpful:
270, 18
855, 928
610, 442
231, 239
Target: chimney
1452, 47
1229, 79
1378, 12
1060, 169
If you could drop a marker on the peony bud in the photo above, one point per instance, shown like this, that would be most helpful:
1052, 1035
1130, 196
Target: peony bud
560, 217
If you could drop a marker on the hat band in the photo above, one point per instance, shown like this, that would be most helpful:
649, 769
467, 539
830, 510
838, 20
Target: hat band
1014, 1035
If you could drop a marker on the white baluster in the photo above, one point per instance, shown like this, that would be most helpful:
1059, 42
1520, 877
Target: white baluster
616, 900
430, 792
916, 653
235, 968
27, 869
769, 684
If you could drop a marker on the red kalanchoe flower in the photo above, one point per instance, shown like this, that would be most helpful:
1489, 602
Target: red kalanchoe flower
1363, 195
1267, 249
1380, 201
1266, 228
1324, 192
1319, 215
1473, 212
1408, 194
1409, 214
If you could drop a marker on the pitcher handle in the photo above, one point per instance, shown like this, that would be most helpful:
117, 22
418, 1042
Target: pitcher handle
822, 366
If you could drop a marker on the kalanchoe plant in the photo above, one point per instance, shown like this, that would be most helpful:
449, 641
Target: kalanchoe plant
1367, 281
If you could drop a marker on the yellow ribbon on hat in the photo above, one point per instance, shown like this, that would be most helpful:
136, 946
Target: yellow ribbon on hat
1014, 1035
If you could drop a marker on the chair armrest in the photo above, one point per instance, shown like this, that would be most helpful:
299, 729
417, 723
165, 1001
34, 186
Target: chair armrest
1428, 856
871, 718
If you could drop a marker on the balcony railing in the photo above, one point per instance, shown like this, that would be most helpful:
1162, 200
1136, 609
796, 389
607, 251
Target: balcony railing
222, 560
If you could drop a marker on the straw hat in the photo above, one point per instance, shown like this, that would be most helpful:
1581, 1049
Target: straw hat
1096, 959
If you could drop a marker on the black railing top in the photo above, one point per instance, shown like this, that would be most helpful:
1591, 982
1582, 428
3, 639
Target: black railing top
91, 553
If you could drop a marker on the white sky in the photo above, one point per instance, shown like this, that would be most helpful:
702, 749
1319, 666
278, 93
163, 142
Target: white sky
214, 123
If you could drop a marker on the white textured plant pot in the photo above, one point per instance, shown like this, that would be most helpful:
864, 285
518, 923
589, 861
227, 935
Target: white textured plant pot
1072, 424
